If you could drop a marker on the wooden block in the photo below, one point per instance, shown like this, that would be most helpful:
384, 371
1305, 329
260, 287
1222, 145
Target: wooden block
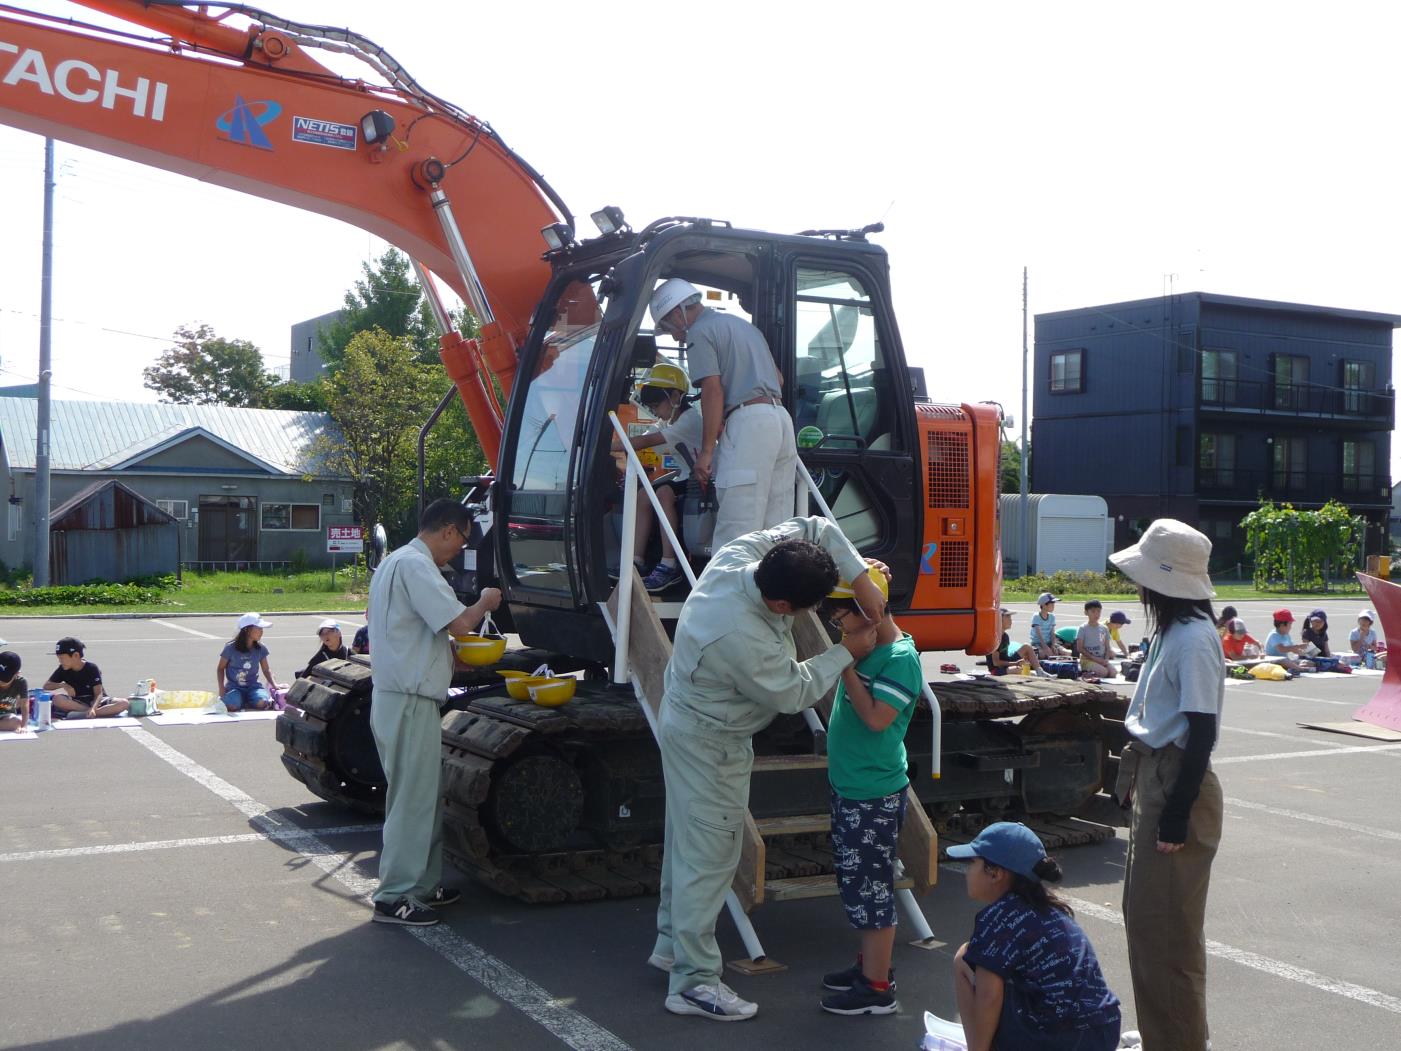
794, 826
919, 845
779, 763
798, 887
766, 965
749, 882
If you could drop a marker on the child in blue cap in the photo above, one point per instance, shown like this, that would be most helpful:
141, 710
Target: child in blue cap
1028, 978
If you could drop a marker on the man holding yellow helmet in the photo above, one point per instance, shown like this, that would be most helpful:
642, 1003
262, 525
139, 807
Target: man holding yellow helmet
733, 668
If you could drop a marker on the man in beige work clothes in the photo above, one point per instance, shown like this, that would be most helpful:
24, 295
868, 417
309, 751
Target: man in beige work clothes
412, 611
733, 668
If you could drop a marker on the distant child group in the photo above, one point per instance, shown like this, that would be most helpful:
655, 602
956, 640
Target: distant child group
1093, 643
1238, 645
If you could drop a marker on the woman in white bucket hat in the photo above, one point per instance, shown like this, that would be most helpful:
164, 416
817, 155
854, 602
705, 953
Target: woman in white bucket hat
1165, 775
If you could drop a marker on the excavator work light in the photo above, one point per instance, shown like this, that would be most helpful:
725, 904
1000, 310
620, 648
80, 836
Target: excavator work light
609, 219
376, 126
557, 236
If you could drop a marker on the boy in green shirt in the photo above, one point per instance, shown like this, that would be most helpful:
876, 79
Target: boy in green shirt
869, 774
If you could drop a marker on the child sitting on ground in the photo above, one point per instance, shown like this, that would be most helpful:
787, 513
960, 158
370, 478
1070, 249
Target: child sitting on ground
1279, 643
1364, 641
1118, 620
361, 642
1028, 978
869, 775
332, 646
237, 671
14, 694
1092, 643
1237, 644
1043, 628
1223, 623
76, 685
1315, 635
1009, 654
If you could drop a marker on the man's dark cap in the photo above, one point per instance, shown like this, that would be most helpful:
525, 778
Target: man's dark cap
9, 665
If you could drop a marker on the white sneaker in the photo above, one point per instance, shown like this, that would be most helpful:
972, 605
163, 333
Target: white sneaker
1130, 1039
717, 1002
1041, 674
661, 963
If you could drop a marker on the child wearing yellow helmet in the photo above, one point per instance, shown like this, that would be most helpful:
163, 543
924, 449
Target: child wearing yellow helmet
664, 391
869, 775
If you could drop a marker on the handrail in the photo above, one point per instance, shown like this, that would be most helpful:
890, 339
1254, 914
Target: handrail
631, 481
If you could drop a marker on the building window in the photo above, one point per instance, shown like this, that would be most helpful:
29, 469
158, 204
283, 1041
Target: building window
1217, 461
1291, 464
1219, 377
1067, 372
1291, 381
328, 500
295, 517
1359, 465
1359, 380
16, 518
175, 508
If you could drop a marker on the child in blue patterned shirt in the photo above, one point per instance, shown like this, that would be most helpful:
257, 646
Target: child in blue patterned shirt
1028, 978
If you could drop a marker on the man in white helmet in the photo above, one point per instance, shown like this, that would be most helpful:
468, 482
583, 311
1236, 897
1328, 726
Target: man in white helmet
747, 449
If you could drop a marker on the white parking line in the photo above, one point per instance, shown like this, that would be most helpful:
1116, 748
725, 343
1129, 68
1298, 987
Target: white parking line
1277, 968
569, 1026
1304, 755
188, 631
290, 836
1273, 733
1297, 815
1296, 697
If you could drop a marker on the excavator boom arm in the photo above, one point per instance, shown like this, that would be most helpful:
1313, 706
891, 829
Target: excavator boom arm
252, 108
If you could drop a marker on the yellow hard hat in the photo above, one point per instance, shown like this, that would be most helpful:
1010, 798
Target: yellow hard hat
844, 589
666, 376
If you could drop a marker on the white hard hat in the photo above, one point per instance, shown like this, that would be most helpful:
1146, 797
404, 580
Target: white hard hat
669, 295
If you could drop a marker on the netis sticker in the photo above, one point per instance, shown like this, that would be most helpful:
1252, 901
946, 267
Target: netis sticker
325, 133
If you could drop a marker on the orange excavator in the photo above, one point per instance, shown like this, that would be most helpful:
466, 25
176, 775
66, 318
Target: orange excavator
240, 98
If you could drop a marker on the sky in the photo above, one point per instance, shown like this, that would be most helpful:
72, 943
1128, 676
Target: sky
1117, 151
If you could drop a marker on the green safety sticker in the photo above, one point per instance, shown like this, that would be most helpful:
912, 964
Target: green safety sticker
809, 437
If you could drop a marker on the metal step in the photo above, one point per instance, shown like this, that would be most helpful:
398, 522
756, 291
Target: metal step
794, 826
811, 887
779, 763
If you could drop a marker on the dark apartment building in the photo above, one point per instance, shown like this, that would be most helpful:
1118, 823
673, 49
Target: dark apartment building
1197, 406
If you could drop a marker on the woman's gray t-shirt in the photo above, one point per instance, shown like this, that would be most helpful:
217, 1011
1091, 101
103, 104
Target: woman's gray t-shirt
1185, 672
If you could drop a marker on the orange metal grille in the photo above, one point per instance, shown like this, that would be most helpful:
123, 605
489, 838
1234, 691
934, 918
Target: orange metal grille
948, 470
953, 564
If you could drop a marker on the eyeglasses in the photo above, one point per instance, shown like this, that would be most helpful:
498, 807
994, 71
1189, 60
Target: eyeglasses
837, 619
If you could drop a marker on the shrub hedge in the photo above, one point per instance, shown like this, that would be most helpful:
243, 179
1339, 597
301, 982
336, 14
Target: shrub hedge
83, 595
1068, 583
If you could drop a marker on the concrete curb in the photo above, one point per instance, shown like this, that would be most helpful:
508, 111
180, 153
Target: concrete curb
158, 616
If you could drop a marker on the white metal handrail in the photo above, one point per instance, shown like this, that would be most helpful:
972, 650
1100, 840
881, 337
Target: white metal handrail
633, 480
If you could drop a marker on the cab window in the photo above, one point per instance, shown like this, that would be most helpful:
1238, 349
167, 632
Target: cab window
842, 390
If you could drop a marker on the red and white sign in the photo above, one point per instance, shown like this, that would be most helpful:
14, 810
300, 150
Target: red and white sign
345, 540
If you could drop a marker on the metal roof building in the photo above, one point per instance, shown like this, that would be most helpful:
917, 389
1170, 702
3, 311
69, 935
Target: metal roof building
245, 484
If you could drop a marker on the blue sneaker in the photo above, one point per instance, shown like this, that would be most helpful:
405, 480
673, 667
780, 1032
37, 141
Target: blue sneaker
662, 577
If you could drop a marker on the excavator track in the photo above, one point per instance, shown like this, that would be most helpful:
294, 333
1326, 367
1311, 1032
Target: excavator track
566, 804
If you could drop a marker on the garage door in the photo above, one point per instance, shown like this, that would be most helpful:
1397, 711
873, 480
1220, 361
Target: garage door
1069, 543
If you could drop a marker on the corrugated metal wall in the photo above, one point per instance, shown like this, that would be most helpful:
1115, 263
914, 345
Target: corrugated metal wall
112, 536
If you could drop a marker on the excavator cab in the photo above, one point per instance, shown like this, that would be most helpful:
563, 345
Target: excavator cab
823, 305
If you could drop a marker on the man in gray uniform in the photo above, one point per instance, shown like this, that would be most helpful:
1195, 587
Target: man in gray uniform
754, 465
732, 669
412, 611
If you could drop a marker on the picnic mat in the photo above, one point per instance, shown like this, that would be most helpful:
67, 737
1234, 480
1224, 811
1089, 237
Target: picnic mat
123, 721
23, 735
1356, 729
193, 717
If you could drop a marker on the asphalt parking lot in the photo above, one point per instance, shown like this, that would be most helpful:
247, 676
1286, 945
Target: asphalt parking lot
173, 887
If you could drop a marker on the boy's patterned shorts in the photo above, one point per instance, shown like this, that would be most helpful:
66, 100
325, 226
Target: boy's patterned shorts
864, 837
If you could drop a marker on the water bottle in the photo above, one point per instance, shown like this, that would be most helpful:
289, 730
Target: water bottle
43, 704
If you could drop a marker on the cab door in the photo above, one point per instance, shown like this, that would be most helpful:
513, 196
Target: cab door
852, 403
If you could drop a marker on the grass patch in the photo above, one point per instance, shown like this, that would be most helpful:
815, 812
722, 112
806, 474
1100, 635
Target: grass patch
231, 593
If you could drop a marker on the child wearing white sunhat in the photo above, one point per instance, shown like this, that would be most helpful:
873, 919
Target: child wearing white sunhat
332, 646
237, 672
1364, 641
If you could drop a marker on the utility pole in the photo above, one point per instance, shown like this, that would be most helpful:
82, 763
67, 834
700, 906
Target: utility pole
1026, 521
41, 448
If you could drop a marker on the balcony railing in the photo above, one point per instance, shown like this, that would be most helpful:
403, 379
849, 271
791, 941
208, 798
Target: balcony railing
1298, 399
1306, 487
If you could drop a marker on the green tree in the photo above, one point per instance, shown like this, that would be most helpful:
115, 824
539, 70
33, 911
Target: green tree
387, 297
307, 397
1010, 479
1298, 550
203, 369
379, 398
